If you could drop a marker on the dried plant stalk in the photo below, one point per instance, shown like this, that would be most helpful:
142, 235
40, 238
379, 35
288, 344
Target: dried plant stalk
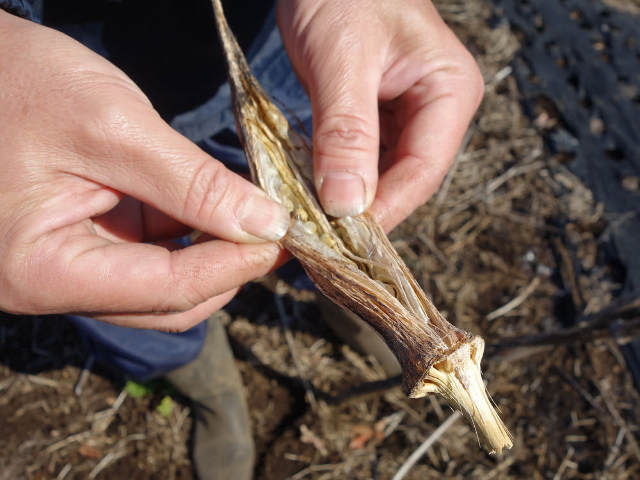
353, 263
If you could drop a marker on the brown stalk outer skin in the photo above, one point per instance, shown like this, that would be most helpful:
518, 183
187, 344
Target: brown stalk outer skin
415, 351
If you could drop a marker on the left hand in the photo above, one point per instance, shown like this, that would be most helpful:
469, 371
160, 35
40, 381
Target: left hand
392, 92
94, 184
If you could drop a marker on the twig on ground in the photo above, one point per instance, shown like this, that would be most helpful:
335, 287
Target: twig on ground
436, 407
566, 463
181, 416
362, 389
107, 460
444, 189
509, 356
46, 382
527, 220
285, 321
483, 190
113, 408
84, 375
390, 423
581, 333
64, 472
119, 451
501, 467
516, 301
568, 274
497, 182
32, 405
308, 436
101, 420
626, 306
617, 418
315, 468
433, 247
7, 383
500, 75
581, 391
78, 437
614, 451
590, 327
419, 452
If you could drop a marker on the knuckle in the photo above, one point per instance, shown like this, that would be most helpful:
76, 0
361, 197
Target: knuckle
250, 261
111, 121
342, 135
182, 284
180, 322
476, 82
191, 295
106, 127
459, 77
209, 189
178, 326
190, 285
466, 71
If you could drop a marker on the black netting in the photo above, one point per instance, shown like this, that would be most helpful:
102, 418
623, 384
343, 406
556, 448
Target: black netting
579, 75
583, 60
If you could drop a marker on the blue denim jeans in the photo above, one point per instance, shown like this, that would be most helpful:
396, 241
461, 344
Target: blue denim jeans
147, 354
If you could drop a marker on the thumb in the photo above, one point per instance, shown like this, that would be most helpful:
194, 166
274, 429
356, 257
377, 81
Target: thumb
344, 101
161, 168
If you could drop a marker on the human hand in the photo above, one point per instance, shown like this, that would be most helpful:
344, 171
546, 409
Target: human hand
384, 77
89, 172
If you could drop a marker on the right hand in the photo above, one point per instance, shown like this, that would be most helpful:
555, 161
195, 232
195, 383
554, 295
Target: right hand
89, 172
383, 76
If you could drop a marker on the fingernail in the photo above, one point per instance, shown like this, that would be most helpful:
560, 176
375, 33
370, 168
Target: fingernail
342, 194
264, 218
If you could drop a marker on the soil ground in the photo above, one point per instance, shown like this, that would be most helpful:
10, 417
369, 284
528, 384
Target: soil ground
511, 227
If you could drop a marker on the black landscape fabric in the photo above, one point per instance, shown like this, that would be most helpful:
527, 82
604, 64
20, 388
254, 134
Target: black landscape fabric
580, 63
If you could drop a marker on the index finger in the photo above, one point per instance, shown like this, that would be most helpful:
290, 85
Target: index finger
90, 274
439, 108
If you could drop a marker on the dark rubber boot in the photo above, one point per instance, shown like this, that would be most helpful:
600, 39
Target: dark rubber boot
223, 446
